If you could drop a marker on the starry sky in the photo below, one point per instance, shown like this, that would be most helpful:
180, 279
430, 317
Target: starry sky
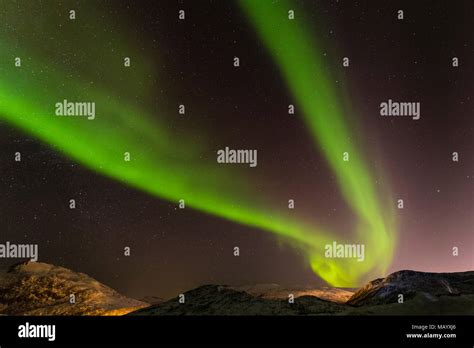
191, 62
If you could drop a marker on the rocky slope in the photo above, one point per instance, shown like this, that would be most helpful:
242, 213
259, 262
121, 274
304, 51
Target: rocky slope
410, 284
34, 288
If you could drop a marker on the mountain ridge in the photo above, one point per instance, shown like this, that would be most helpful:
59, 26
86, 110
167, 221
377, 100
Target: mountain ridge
34, 288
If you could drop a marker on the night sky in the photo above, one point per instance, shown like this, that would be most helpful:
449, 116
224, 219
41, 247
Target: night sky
191, 62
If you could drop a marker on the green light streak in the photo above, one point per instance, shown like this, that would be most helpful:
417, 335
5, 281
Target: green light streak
301, 64
170, 167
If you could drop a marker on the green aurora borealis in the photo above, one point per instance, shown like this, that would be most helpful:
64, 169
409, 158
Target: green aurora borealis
171, 168
306, 75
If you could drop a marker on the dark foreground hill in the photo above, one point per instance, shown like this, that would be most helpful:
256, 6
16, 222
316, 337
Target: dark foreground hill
224, 300
422, 294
